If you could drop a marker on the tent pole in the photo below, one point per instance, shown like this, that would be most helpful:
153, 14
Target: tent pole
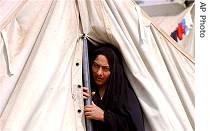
86, 78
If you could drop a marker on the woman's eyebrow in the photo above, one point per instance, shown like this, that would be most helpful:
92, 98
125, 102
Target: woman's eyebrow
100, 64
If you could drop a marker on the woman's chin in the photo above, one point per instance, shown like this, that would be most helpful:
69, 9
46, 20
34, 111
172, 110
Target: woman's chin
99, 83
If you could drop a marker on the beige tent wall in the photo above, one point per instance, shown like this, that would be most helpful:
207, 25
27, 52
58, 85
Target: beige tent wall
41, 93
40, 59
168, 21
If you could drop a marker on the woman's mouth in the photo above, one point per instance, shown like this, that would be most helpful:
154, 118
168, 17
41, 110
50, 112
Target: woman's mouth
98, 79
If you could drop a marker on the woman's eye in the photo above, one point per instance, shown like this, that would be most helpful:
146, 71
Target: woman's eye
96, 65
106, 68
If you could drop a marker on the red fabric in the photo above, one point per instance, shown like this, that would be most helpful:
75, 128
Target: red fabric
180, 31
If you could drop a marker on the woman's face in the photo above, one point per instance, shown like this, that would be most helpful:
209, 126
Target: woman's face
101, 70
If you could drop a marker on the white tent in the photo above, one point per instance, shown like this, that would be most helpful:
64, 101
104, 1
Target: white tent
156, 2
41, 55
169, 20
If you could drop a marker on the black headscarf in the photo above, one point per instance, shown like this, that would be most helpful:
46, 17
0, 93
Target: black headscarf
120, 104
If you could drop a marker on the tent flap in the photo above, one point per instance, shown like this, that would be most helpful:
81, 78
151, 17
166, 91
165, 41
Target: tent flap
44, 52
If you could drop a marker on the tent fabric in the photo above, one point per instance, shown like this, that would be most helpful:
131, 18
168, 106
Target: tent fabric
170, 23
41, 64
188, 42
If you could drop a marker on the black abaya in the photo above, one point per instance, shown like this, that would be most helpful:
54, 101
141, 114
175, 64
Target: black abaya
122, 110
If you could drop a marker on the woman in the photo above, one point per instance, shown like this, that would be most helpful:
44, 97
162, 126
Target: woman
115, 106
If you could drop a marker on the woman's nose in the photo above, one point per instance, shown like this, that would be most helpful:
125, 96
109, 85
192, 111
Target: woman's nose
100, 71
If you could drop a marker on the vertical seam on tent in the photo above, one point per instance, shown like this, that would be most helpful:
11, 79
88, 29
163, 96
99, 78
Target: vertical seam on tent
78, 6
77, 102
78, 19
142, 36
8, 59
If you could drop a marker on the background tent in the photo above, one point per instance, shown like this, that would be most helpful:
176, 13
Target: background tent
152, 2
169, 20
41, 55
